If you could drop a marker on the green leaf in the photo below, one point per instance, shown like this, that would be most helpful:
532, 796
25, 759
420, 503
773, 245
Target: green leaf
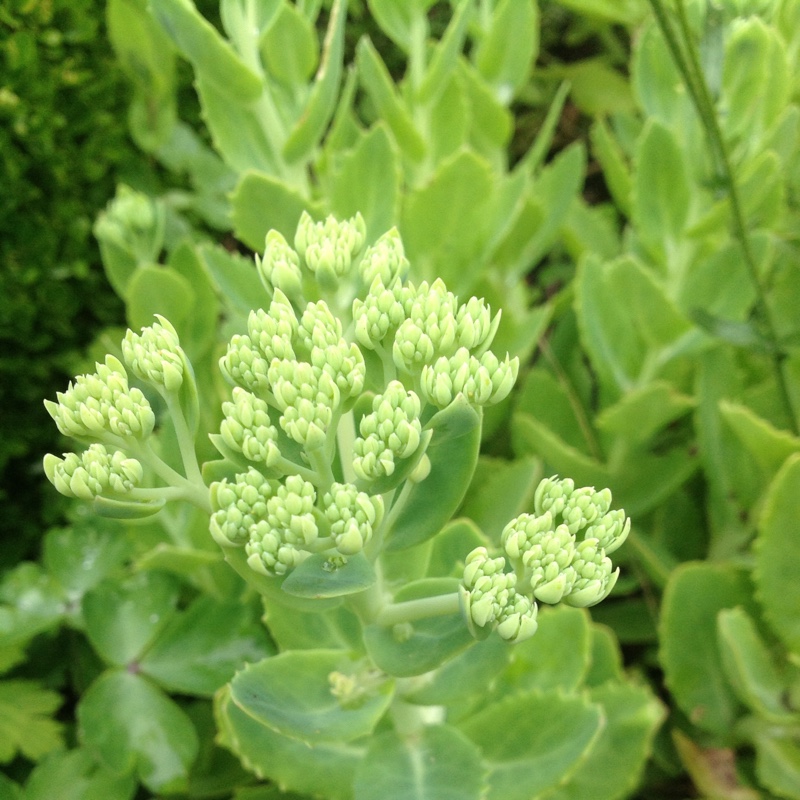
530, 436
778, 555
768, 445
75, 775
438, 764
318, 576
606, 658
492, 124
551, 734
111, 508
9, 790
212, 57
134, 726
158, 290
756, 78
397, 19
749, 665
323, 770
616, 171
122, 619
201, 648
292, 694
421, 646
32, 602
661, 194
596, 87
508, 50
310, 629
453, 454
464, 676
658, 85
366, 179
689, 652
557, 657
624, 12
445, 55
262, 203
738, 334
236, 278
443, 223
614, 765
644, 411
500, 490
244, 139
308, 131
289, 46
450, 548
80, 556
778, 763
26, 726
378, 84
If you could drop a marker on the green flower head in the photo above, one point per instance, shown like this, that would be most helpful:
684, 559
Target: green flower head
353, 516
247, 428
155, 355
92, 473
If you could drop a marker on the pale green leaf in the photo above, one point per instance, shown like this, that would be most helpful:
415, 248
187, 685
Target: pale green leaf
75, 775
134, 726
289, 46
26, 726
439, 764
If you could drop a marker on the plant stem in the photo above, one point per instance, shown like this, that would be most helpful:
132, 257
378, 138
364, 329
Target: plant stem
692, 73
185, 439
410, 610
346, 436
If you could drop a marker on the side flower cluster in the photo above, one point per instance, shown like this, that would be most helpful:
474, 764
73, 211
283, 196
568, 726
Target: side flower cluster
557, 554
281, 523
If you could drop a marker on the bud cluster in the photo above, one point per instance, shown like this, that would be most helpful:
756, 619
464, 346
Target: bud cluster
548, 562
100, 404
281, 523
155, 355
93, 472
392, 431
489, 599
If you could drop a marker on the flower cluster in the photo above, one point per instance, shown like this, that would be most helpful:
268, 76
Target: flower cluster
101, 406
280, 523
155, 355
93, 472
558, 554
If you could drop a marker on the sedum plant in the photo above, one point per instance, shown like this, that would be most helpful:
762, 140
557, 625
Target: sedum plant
348, 443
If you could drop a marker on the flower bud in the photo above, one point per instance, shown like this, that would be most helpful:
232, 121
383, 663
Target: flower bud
248, 430
353, 516
384, 260
595, 575
237, 506
280, 266
244, 365
155, 355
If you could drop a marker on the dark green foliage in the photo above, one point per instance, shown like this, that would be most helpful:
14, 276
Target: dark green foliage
63, 145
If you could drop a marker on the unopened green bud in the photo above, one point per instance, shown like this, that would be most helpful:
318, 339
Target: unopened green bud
412, 348
94, 472
308, 397
481, 381
319, 327
552, 495
393, 430
329, 247
548, 561
385, 260
517, 621
237, 506
595, 575
271, 332
344, 363
353, 516
584, 507
610, 531
280, 266
244, 365
381, 312
248, 430
279, 543
155, 355
475, 327
102, 403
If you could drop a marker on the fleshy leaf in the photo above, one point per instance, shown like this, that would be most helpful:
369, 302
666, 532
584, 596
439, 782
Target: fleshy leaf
292, 693
690, 656
320, 576
453, 454
439, 764
325, 769
549, 739
778, 555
